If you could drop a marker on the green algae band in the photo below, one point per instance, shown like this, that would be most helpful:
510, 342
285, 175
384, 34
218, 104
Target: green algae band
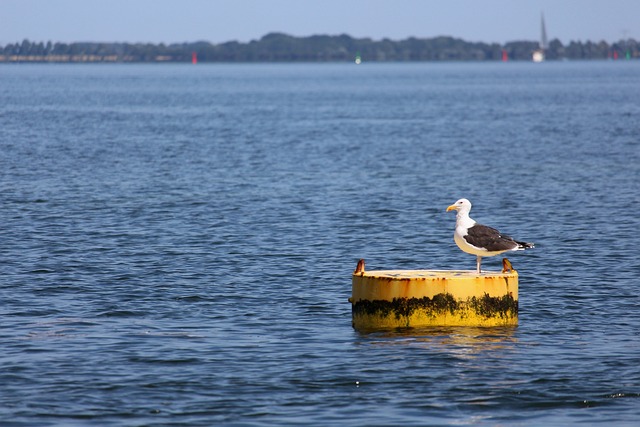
414, 298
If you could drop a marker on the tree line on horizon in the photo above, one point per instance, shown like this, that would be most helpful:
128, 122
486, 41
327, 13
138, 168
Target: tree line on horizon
279, 47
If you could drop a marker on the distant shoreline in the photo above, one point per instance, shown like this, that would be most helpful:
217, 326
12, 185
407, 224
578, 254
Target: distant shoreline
278, 47
107, 60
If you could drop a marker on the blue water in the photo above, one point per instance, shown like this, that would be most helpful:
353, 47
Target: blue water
177, 242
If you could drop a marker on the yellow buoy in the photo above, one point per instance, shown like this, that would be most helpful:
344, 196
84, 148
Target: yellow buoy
415, 298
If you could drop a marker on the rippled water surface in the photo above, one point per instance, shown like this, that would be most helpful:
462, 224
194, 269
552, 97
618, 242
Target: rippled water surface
177, 242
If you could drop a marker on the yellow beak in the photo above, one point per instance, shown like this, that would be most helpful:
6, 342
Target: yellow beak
451, 208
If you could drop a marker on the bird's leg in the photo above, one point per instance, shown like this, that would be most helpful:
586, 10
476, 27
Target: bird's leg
478, 262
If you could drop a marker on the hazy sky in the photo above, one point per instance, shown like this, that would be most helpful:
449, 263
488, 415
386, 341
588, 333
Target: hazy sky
218, 21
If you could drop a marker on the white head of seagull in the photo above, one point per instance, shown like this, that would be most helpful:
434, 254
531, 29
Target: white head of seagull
463, 206
478, 239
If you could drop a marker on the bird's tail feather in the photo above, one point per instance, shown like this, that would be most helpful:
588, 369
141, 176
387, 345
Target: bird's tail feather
525, 245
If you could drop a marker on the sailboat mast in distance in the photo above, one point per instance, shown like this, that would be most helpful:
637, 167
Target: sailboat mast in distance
543, 33
538, 54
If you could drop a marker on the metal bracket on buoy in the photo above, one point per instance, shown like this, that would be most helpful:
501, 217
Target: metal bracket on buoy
359, 268
506, 266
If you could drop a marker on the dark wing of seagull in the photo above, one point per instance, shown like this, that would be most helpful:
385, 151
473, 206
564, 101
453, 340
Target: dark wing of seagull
489, 238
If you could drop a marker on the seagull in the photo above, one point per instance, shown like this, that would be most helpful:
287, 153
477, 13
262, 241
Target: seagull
478, 239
